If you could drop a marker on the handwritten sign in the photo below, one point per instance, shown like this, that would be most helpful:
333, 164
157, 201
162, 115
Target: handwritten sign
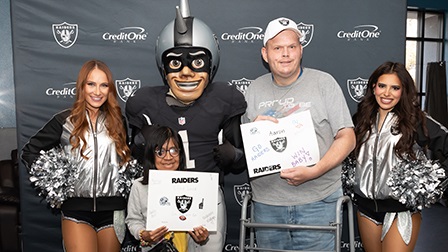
182, 200
271, 147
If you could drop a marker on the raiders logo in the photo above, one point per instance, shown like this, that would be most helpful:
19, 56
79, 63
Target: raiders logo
357, 88
65, 34
126, 88
241, 84
284, 21
306, 33
183, 203
240, 191
279, 144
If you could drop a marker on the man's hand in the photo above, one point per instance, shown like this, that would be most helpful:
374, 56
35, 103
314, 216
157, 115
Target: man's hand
298, 175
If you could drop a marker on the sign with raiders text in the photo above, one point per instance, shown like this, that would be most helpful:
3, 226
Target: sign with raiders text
271, 147
182, 200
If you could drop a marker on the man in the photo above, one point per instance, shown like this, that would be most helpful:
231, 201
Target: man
187, 55
299, 195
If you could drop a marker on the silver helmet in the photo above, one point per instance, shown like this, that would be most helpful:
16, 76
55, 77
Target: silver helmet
187, 31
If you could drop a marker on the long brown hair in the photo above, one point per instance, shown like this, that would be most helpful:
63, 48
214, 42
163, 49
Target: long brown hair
407, 110
114, 119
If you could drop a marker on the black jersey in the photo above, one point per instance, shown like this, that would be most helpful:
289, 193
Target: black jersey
198, 124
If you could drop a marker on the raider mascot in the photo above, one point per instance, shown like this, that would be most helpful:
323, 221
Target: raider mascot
187, 55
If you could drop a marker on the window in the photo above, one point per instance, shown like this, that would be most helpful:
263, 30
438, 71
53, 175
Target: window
424, 44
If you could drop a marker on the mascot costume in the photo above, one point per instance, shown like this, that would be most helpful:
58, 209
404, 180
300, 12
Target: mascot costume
206, 114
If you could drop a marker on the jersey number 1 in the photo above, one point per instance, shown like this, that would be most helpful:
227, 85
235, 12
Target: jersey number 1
190, 163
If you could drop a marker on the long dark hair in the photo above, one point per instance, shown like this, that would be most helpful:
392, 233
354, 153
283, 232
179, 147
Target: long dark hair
155, 137
407, 110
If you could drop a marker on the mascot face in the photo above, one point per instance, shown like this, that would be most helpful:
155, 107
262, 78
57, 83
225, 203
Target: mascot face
187, 55
187, 72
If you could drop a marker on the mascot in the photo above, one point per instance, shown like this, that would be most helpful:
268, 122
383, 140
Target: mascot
205, 113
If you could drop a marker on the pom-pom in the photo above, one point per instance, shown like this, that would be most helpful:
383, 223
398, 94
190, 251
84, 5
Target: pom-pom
348, 176
418, 183
53, 174
127, 173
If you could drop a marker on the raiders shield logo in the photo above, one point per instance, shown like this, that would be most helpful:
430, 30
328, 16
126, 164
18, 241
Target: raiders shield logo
357, 88
306, 32
183, 203
279, 144
65, 34
240, 191
241, 84
126, 87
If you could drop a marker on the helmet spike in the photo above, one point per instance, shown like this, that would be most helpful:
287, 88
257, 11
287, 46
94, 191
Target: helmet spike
185, 8
181, 25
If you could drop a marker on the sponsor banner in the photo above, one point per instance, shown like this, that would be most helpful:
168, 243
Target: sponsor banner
182, 200
271, 147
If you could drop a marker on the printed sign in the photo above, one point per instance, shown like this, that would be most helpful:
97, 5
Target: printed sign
271, 147
182, 200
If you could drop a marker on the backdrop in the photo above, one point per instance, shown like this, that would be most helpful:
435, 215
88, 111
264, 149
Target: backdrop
53, 38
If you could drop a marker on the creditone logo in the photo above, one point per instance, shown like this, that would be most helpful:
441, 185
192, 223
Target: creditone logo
127, 35
236, 247
241, 84
126, 87
68, 90
65, 34
360, 33
306, 33
244, 35
357, 88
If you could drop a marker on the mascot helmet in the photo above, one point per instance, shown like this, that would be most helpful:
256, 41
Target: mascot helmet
187, 31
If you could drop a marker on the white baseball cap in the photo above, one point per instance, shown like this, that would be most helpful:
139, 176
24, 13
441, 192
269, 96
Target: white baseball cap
278, 25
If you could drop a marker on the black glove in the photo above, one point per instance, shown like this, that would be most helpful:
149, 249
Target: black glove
224, 154
138, 148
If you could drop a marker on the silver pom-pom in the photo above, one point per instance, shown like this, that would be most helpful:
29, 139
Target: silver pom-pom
127, 173
418, 183
53, 174
348, 176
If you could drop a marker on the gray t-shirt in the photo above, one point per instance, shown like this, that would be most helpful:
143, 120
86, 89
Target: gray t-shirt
320, 93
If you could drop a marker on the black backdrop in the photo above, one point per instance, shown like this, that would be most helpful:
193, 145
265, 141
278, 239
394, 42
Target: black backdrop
52, 38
